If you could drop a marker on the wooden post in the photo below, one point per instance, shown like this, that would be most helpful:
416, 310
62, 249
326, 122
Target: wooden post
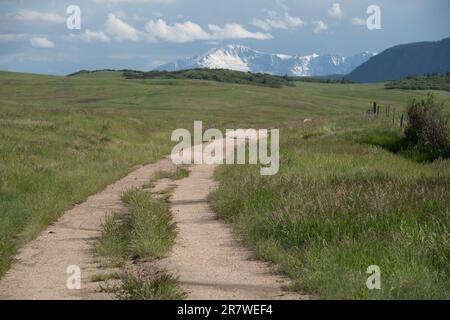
374, 108
401, 121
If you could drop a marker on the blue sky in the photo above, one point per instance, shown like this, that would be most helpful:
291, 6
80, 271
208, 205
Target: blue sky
140, 34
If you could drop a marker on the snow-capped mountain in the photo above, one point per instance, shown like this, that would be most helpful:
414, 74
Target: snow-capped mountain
241, 58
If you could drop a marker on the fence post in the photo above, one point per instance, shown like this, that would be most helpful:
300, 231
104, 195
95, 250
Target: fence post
401, 121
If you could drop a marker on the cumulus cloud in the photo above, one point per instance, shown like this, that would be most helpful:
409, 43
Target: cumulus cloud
179, 32
120, 30
281, 22
95, 36
335, 10
320, 26
235, 31
42, 43
358, 21
35, 16
277, 20
189, 31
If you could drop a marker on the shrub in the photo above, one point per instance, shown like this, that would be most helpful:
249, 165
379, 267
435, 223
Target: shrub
428, 127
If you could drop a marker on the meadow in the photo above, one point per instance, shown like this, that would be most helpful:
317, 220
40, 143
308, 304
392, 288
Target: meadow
339, 204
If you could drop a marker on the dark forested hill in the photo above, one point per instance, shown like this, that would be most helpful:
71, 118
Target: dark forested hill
405, 60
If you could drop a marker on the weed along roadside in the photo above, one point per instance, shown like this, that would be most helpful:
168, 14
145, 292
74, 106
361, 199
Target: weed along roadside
131, 240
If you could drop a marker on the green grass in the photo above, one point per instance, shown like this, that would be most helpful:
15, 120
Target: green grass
105, 276
395, 141
338, 206
145, 231
160, 286
178, 174
64, 138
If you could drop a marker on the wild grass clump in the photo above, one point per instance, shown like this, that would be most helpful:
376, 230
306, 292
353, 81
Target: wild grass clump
178, 174
156, 286
144, 231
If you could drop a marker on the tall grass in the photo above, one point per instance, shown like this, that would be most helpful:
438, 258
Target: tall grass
160, 286
144, 232
338, 206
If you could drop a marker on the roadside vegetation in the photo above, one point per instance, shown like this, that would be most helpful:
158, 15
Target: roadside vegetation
340, 205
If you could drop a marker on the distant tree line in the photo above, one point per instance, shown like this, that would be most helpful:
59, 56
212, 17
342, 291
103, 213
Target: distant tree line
430, 81
100, 70
325, 79
218, 75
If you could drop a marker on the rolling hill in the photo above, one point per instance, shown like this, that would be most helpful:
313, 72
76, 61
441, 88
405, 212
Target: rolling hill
405, 60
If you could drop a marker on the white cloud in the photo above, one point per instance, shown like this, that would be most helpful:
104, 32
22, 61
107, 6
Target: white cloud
120, 30
95, 36
236, 31
35, 16
280, 22
359, 21
277, 20
320, 26
42, 43
179, 32
335, 10
189, 31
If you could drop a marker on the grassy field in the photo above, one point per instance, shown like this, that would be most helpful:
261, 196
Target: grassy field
338, 205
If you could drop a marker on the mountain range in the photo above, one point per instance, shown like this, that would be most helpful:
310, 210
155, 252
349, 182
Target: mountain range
405, 60
241, 58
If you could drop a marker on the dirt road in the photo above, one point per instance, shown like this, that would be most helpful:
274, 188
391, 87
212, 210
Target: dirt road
210, 262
